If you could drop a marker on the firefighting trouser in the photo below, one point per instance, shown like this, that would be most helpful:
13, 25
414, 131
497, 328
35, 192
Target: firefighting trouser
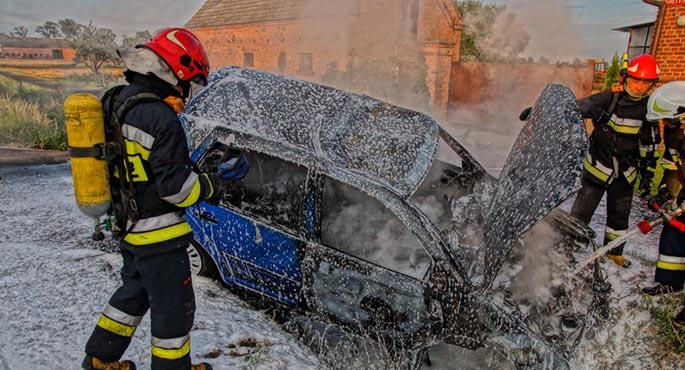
619, 200
670, 267
160, 282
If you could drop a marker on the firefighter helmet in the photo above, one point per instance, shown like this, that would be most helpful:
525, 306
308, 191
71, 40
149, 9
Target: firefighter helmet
183, 52
640, 76
667, 102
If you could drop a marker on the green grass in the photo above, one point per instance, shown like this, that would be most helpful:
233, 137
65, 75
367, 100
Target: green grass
31, 116
661, 312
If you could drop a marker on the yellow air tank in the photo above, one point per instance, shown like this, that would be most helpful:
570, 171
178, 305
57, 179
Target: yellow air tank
85, 131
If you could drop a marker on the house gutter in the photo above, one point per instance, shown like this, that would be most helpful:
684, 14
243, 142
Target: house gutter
660, 19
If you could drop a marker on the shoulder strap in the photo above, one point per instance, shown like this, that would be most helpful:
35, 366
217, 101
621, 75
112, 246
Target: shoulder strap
128, 208
608, 109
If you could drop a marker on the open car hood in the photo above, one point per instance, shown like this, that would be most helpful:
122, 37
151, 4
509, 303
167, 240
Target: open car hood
542, 170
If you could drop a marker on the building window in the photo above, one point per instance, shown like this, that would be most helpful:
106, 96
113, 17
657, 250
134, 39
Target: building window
640, 40
306, 64
282, 62
248, 59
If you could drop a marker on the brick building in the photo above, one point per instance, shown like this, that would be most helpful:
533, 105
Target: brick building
35, 48
389, 49
668, 41
664, 38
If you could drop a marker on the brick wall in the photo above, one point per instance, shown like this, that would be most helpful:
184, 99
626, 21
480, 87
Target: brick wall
377, 47
670, 43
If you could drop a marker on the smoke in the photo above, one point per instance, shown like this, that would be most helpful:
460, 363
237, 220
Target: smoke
552, 28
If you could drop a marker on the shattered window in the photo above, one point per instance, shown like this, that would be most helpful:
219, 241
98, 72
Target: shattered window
360, 225
446, 181
271, 190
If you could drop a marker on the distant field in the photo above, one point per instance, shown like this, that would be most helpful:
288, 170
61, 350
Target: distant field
51, 69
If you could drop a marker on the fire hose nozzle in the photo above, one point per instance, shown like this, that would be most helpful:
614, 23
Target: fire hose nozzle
645, 226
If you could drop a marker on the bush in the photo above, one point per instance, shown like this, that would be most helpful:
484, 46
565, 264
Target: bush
31, 116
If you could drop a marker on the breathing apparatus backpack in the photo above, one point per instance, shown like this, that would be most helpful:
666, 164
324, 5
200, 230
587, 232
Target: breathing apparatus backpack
97, 150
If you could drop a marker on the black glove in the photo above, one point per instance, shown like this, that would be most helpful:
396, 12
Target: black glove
219, 186
525, 114
658, 200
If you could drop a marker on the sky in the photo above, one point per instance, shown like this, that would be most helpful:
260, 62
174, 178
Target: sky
559, 29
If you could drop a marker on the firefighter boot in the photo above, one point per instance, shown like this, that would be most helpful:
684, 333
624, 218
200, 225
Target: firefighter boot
619, 260
92, 363
201, 366
679, 320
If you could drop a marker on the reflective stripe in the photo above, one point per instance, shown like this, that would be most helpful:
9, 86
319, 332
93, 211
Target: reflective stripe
158, 236
138, 135
630, 174
158, 222
668, 165
189, 193
612, 234
598, 170
625, 125
171, 349
116, 327
670, 266
671, 259
121, 316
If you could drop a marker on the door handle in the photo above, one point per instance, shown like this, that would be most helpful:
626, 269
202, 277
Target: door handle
207, 217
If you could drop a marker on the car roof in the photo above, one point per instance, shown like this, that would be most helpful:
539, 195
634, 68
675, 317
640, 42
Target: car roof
371, 140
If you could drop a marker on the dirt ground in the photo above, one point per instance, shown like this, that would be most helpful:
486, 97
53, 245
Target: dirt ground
22, 157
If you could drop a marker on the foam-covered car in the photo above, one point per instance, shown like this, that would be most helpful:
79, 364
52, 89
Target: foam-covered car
372, 218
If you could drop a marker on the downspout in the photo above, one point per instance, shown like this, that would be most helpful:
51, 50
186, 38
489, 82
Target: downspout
660, 20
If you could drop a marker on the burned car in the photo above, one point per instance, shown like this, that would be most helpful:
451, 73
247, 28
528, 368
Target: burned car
372, 218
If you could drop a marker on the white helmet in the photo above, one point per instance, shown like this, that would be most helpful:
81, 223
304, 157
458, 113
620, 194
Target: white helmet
667, 102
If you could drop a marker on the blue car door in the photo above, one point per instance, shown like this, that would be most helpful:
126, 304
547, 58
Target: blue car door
253, 233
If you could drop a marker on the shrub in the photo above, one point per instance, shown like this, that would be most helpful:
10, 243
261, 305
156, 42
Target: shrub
31, 116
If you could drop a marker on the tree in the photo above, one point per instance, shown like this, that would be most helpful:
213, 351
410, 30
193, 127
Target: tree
94, 46
139, 38
612, 73
49, 30
69, 27
19, 31
491, 33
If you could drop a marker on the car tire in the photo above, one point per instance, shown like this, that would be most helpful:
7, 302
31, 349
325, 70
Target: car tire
201, 264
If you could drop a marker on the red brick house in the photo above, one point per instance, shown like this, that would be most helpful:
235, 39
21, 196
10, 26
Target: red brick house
668, 41
664, 38
35, 48
384, 48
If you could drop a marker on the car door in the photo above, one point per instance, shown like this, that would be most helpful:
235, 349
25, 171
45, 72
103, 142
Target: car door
367, 269
253, 233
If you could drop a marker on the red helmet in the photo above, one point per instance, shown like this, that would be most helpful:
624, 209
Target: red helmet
643, 67
183, 52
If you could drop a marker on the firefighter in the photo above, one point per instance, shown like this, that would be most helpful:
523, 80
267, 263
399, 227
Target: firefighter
157, 183
668, 105
622, 148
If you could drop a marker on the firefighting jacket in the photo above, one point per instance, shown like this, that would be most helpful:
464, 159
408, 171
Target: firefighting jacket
673, 142
618, 143
158, 163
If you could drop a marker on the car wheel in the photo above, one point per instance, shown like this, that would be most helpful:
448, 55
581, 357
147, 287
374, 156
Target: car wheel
201, 264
